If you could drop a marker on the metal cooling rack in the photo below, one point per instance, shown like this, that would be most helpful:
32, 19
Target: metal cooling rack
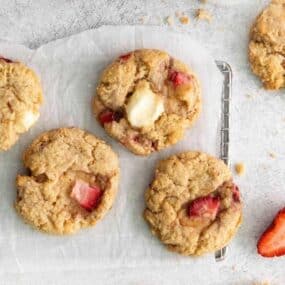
226, 70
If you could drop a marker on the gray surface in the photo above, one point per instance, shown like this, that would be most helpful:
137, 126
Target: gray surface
258, 125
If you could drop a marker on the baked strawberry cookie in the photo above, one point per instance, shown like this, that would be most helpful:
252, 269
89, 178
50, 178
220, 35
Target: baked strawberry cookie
193, 205
20, 100
146, 100
72, 184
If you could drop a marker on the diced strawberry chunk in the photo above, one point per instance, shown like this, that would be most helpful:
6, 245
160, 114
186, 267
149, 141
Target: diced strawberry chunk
272, 241
106, 116
109, 116
236, 194
125, 57
6, 59
178, 78
204, 207
86, 196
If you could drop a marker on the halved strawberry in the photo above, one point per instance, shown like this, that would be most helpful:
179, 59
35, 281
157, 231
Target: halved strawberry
272, 241
87, 197
204, 207
236, 194
178, 78
125, 57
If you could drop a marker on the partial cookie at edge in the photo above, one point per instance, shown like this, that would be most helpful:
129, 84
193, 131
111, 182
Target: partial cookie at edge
20, 100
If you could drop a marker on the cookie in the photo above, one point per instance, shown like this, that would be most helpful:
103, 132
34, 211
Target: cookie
146, 100
267, 46
20, 100
192, 205
72, 184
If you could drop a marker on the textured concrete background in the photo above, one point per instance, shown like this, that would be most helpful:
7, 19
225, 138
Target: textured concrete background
258, 120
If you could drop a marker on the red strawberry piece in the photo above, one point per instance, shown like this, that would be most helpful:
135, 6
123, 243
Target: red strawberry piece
204, 207
109, 116
236, 194
125, 57
86, 196
6, 59
178, 78
272, 241
106, 116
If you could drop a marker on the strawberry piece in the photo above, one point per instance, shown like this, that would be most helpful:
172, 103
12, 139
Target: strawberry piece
106, 116
236, 194
125, 57
204, 207
6, 59
178, 78
109, 116
87, 197
272, 241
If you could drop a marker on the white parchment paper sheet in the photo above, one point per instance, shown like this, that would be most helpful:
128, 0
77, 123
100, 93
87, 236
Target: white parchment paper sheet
69, 69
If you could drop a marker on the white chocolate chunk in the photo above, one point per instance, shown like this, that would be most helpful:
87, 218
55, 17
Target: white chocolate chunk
29, 118
144, 106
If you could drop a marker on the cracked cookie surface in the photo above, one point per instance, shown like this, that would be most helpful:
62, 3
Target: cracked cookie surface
267, 46
20, 100
192, 205
146, 100
69, 169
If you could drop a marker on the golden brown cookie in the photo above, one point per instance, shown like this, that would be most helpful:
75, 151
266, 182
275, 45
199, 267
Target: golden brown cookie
192, 205
146, 100
73, 181
20, 100
267, 46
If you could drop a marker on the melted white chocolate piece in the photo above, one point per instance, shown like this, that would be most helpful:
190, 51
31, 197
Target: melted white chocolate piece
144, 106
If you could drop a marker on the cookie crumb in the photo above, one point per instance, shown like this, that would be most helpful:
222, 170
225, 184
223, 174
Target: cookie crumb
178, 14
203, 1
240, 168
184, 20
272, 154
169, 20
143, 19
202, 14
261, 283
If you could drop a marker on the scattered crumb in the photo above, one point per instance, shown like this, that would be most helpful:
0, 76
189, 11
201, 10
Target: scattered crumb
203, 1
272, 154
142, 19
261, 283
184, 20
178, 14
234, 268
240, 168
202, 14
169, 20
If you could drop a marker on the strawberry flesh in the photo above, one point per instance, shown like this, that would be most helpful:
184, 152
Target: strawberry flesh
236, 194
272, 241
106, 117
87, 197
204, 207
6, 59
125, 57
109, 116
178, 78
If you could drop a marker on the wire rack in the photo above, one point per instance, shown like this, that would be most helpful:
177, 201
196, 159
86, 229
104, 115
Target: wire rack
226, 70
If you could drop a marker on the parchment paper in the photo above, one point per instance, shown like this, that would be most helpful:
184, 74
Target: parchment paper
69, 70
